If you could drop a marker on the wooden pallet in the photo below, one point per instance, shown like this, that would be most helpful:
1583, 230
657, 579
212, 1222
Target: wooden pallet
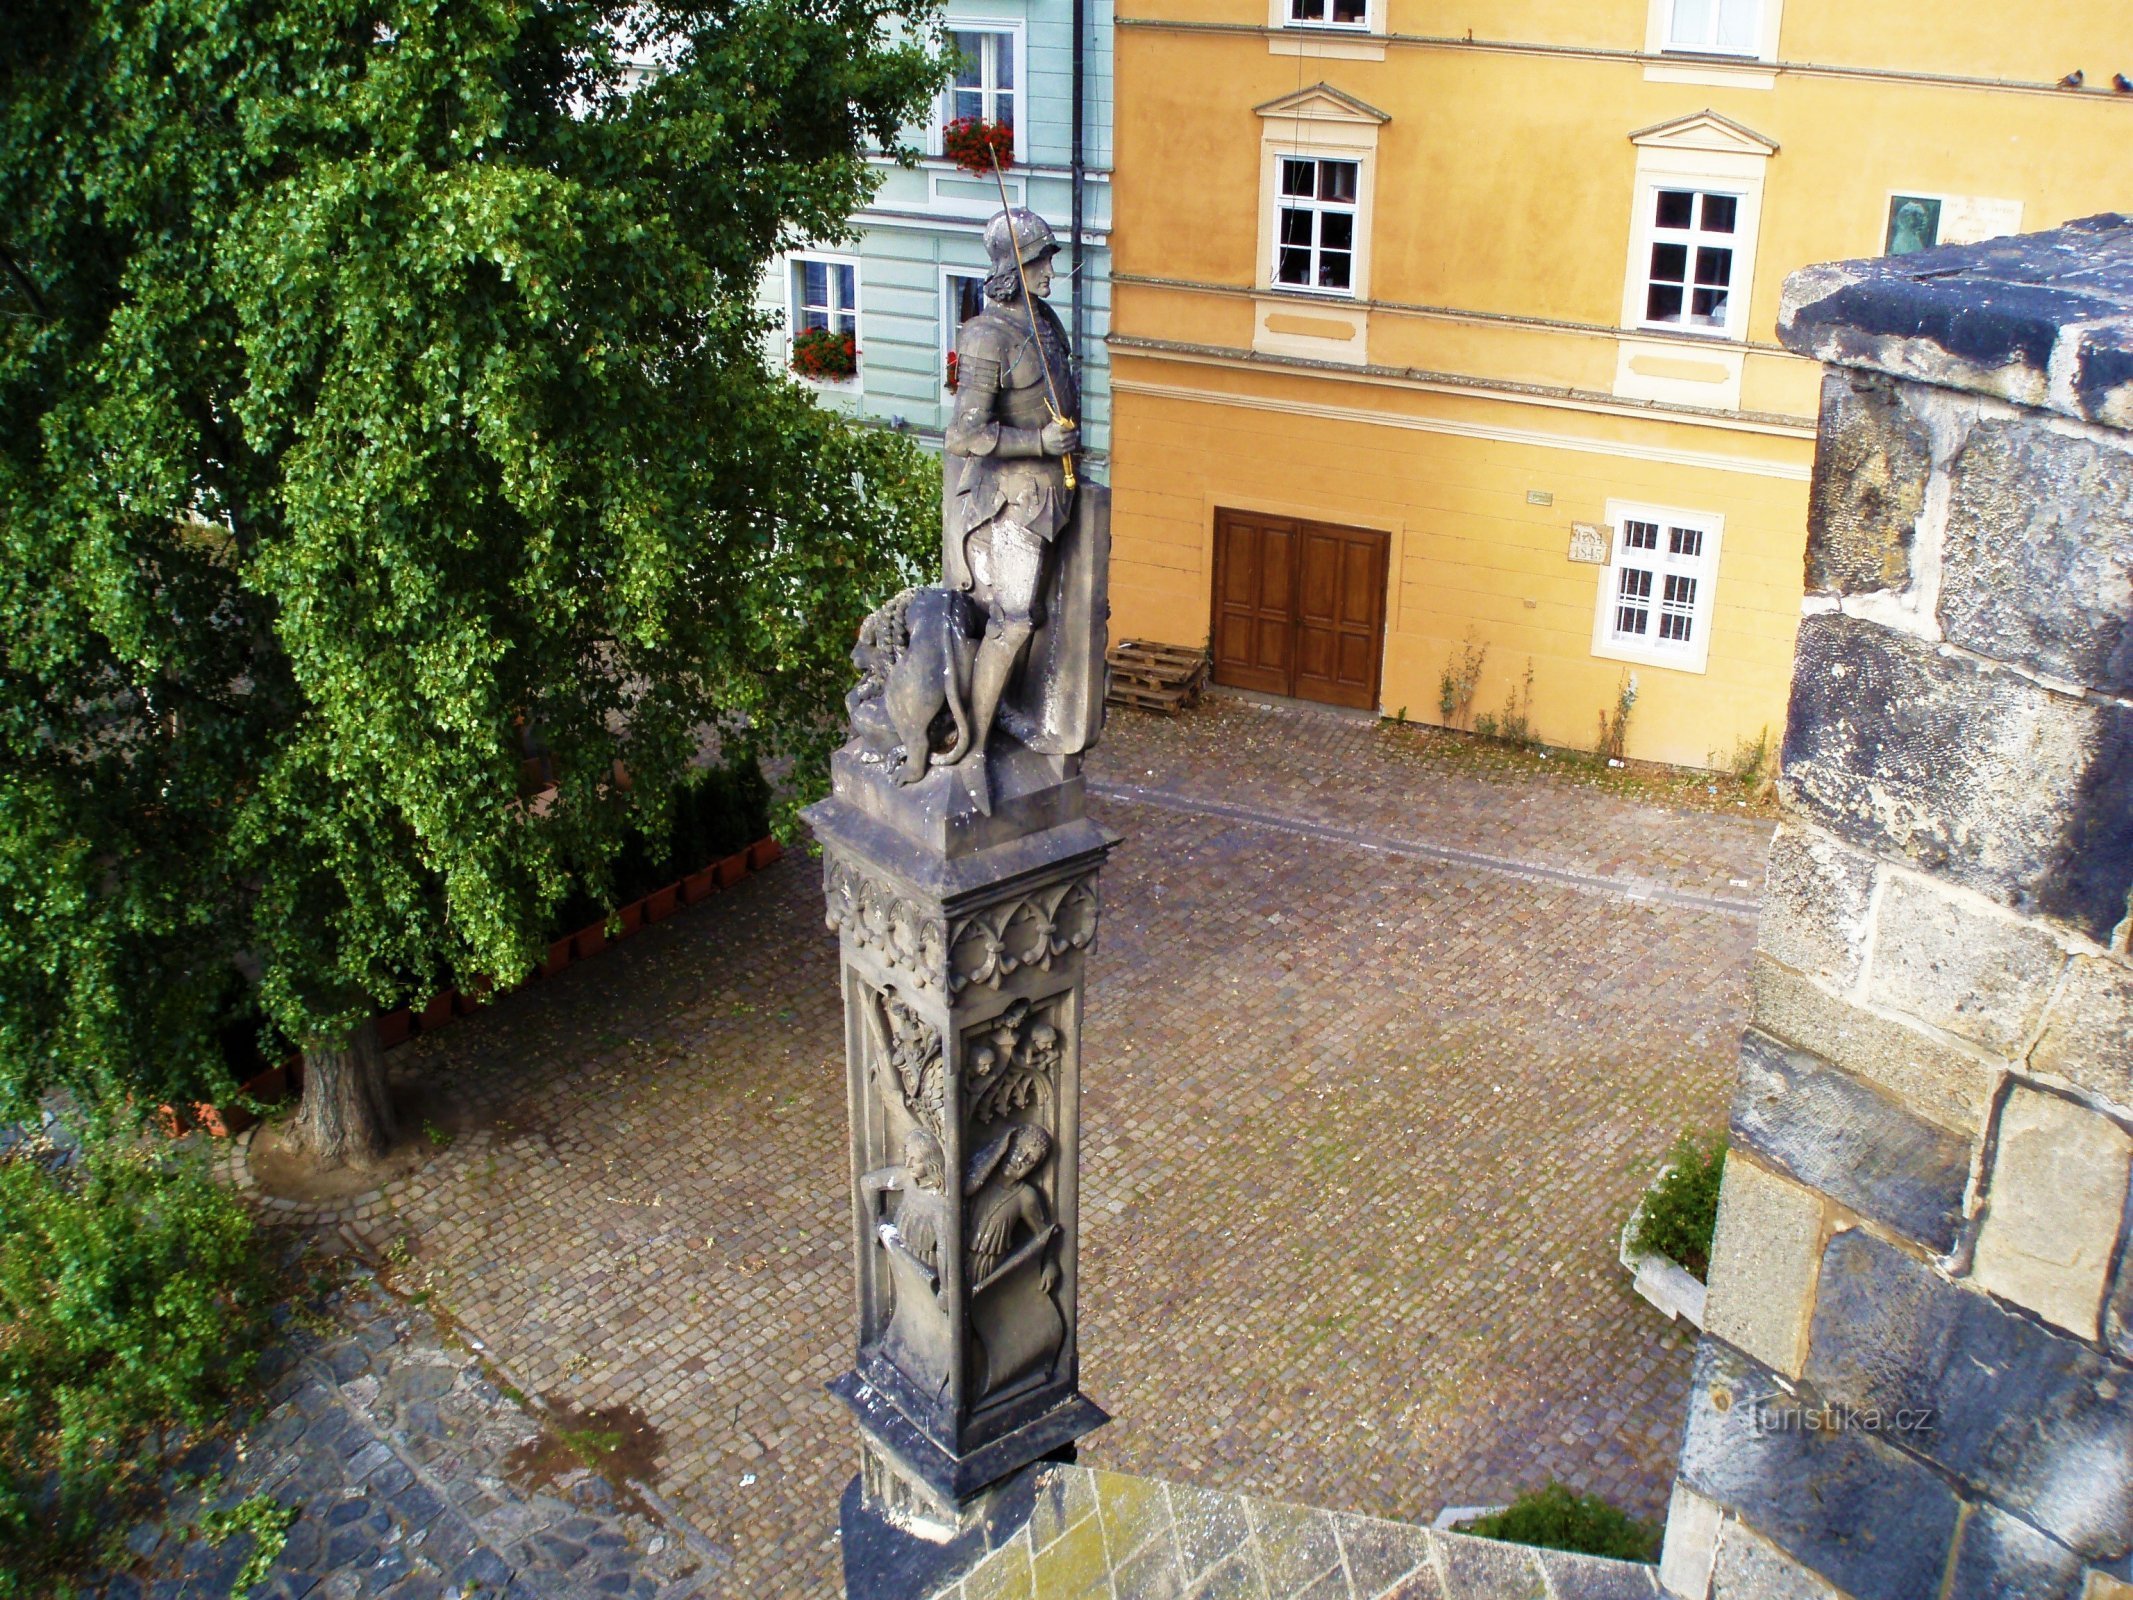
1155, 677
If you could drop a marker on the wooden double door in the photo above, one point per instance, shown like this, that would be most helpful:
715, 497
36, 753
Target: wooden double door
1300, 607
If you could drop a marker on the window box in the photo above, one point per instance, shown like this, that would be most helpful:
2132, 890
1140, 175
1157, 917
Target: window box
979, 146
823, 354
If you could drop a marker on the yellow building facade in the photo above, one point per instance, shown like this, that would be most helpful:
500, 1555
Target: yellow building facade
1426, 339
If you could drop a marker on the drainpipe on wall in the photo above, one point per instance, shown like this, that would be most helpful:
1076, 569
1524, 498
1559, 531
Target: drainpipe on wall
1080, 174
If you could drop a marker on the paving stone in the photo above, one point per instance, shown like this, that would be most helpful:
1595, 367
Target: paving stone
1842, 1136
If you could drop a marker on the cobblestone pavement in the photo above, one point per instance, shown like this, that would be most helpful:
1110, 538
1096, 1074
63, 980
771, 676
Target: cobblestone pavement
413, 1475
1361, 1126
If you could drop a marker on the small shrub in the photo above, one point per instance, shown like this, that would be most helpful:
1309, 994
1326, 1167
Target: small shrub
1460, 679
132, 1301
1517, 724
1681, 1211
1753, 763
1614, 726
1555, 1519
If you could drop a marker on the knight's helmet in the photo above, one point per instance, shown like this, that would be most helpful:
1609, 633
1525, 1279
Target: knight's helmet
1032, 238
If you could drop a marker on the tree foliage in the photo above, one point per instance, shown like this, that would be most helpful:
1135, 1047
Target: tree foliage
378, 379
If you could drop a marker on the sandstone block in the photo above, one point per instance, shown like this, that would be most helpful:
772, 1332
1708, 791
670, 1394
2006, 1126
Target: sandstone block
2037, 561
1763, 1261
1872, 460
2088, 1035
2042, 319
1939, 1082
1974, 775
2004, 1558
2033, 1421
1873, 1521
2052, 1208
1835, 1133
1750, 1567
1957, 966
1816, 897
1691, 1546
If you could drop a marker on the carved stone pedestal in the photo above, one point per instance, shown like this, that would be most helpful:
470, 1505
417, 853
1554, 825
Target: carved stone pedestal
965, 935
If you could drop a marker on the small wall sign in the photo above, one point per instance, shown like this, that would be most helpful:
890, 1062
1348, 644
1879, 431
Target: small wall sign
1588, 542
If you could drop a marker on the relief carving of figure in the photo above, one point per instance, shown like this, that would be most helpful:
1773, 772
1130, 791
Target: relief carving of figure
917, 1336
907, 1059
1009, 1258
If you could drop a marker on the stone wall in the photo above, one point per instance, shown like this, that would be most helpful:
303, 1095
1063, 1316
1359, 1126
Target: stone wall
1916, 1381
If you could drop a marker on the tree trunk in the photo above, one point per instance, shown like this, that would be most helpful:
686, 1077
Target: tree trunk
345, 1115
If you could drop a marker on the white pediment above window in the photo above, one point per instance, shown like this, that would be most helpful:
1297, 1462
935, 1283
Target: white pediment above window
1324, 103
1705, 131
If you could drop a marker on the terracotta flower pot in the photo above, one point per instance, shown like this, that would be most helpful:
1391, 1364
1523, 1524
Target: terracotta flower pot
763, 853
589, 941
661, 904
558, 957
439, 1011
468, 1004
699, 885
394, 1028
632, 916
731, 870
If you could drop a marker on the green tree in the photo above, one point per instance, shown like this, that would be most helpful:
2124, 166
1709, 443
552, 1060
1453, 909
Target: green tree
380, 379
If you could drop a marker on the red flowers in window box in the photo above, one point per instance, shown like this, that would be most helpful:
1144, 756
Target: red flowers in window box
824, 353
952, 375
974, 144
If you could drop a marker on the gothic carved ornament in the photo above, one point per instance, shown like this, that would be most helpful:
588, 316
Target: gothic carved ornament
1033, 930
875, 917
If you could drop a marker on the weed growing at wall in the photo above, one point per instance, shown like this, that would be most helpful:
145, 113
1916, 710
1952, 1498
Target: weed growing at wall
1461, 678
1614, 724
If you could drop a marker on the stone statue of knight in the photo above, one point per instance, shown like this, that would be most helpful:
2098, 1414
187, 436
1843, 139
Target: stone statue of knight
1012, 494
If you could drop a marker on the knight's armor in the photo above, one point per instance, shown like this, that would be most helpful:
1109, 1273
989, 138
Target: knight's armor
1001, 406
1014, 374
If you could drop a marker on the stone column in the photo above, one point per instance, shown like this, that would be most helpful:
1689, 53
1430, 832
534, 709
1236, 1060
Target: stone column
1917, 1372
965, 923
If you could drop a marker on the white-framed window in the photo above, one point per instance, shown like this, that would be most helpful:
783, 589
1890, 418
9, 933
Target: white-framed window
1693, 258
1715, 27
1654, 603
822, 293
1315, 210
962, 297
1327, 14
988, 78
